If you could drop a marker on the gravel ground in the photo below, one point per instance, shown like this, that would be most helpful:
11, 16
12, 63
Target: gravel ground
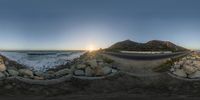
127, 86
120, 86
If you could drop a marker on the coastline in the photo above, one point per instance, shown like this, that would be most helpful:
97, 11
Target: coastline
121, 83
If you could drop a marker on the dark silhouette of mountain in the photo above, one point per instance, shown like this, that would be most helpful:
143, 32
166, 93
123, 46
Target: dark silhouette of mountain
154, 45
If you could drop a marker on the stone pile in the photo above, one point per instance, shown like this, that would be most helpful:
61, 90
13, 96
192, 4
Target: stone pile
90, 65
27, 73
93, 67
187, 67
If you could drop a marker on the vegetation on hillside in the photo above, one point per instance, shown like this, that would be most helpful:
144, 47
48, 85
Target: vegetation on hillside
154, 45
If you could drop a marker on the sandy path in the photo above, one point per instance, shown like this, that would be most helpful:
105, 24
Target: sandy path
137, 67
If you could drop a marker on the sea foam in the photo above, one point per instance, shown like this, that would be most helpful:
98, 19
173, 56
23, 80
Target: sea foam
42, 61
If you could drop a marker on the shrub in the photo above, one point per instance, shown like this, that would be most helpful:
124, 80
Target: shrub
107, 60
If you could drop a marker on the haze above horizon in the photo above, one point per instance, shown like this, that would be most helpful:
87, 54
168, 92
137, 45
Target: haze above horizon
93, 24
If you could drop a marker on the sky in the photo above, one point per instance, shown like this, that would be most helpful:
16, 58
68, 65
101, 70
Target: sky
83, 24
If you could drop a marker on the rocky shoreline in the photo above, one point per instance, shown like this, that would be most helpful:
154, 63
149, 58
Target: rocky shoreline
88, 65
96, 80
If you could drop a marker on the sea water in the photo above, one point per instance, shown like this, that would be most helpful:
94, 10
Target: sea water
42, 60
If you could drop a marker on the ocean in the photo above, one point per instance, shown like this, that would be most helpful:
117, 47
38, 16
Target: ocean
42, 60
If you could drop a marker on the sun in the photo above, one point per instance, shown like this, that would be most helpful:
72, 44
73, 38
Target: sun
91, 48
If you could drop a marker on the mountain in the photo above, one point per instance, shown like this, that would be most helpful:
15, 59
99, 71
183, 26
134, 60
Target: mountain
154, 45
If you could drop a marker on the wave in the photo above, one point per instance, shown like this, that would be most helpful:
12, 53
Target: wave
42, 61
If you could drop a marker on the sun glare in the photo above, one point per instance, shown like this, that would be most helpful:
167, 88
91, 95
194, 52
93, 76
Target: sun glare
91, 48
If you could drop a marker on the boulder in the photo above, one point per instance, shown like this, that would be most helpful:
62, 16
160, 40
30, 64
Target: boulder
2, 67
189, 69
193, 58
26, 72
48, 76
6, 74
175, 63
13, 72
51, 72
100, 62
101, 71
195, 75
172, 69
88, 71
188, 62
177, 66
180, 72
37, 73
38, 78
6, 62
180, 63
93, 63
2, 75
79, 73
106, 70
196, 63
81, 66
184, 58
98, 71
63, 72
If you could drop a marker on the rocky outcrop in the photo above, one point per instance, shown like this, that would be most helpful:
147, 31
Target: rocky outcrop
188, 67
93, 68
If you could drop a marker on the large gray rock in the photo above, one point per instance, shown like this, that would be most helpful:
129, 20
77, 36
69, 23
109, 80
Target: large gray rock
38, 73
88, 71
100, 62
195, 75
172, 69
177, 66
188, 62
93, 63
48, 76
63, 72
79, 72
101, 71
106, 70
180, 63
2, 75
196, 63
2, 67
26, 72
180, 72
38, 78
189, 69
184, 59
81, 66
13, 72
